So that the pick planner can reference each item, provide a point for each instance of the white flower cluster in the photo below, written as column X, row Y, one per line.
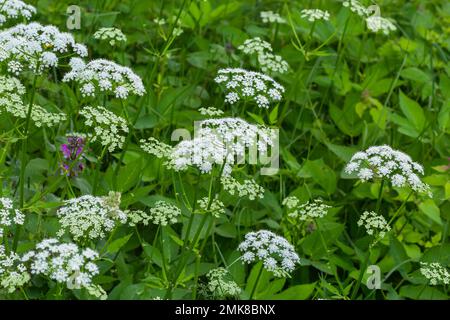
column 106, row 76
column 211, row 111
column 315, row 14
column 89, row 217
column 374, row 224
column 219, row 287
column 216, row 207
column 9, row 215
column 309, row 210
column 13, row 274
column 11, row 91
column 249, row 85
column 15, row 9
column 63, row 262
column 249, row 188
column 435, row 272
column 155, row 147
column 36, row 46
column 375, row 22
column 386, row 163
column 162, row 213
column 271, row 17
column 276, row 253
column 255, row 46
column 220, row 142
column 108, row 128
column 112, row 34
column 266, row 59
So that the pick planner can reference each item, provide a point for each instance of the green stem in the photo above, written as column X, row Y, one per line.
column 380, row 196
column 361, row 274
column 24, row 156
column 256, row 282
column 97, row 171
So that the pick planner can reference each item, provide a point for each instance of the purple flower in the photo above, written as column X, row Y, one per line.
column 72, row 151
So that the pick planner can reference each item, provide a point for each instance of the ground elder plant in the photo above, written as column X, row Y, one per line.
column 224, row 150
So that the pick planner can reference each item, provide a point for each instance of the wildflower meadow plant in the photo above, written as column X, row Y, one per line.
column 234, row 150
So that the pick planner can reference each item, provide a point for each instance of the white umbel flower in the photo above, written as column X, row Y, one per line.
column 215, row 206
column 356, row 7
column 11, row 92
column 64, row 263
column 162, row 213
column 307, row 211
column 276, row 253
column 271, row 17
column 248, row 188
column 13, row 274
column 109, row 129
column 255, row 46
column 9, row 216
column 435, row 272
column 89, row 217
column 15, row 9
column 219, row 286
column 155, row 147
column 219, row 142
column 315, row 14
column 36, row 47
column 374, row 224
column 112, row 35
column 241, row 84
column 104, row 76
column 376, row 24
column 211, row 112
column 383, row 162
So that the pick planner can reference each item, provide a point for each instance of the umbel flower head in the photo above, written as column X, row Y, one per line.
column 315, row 14
column 374, row 224
column 8, row 215
column 271, row 17
column 210, row 111
column 113, row 35
column 306, row 211
column 247, row 189
column 219, row 142
column 375, row 24
column 88, row 217
column 383, row 162
column 435, row 272
column 268, row 61
column 36, row 47
column 13, row 273
column 276, row 253
column 356, row 7
column 64, row 263
column 220, row 285
column 214, row 206
column 104, row 76
column 15, row 9
column 162, row 213
column 11, row 92
column 109, row 129
column 249, row 86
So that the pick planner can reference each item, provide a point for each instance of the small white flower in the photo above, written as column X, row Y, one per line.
column 249, row 188
column 108, row 128
column 435, row 272
column 89, row 217
column 243, row 79
column 279, row 258
column 315, row 14
column 309, row 210
column 218, row 286
column 271, row 17
column 113, row 35
column 15, row 9
column 375, row 24
column 374, row 224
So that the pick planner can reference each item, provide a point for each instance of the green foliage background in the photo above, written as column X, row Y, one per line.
column 347, row 89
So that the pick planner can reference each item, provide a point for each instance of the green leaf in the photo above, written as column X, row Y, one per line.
column 431, row 210
column 115, row 246
column 413, row 112
column 298, row 292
